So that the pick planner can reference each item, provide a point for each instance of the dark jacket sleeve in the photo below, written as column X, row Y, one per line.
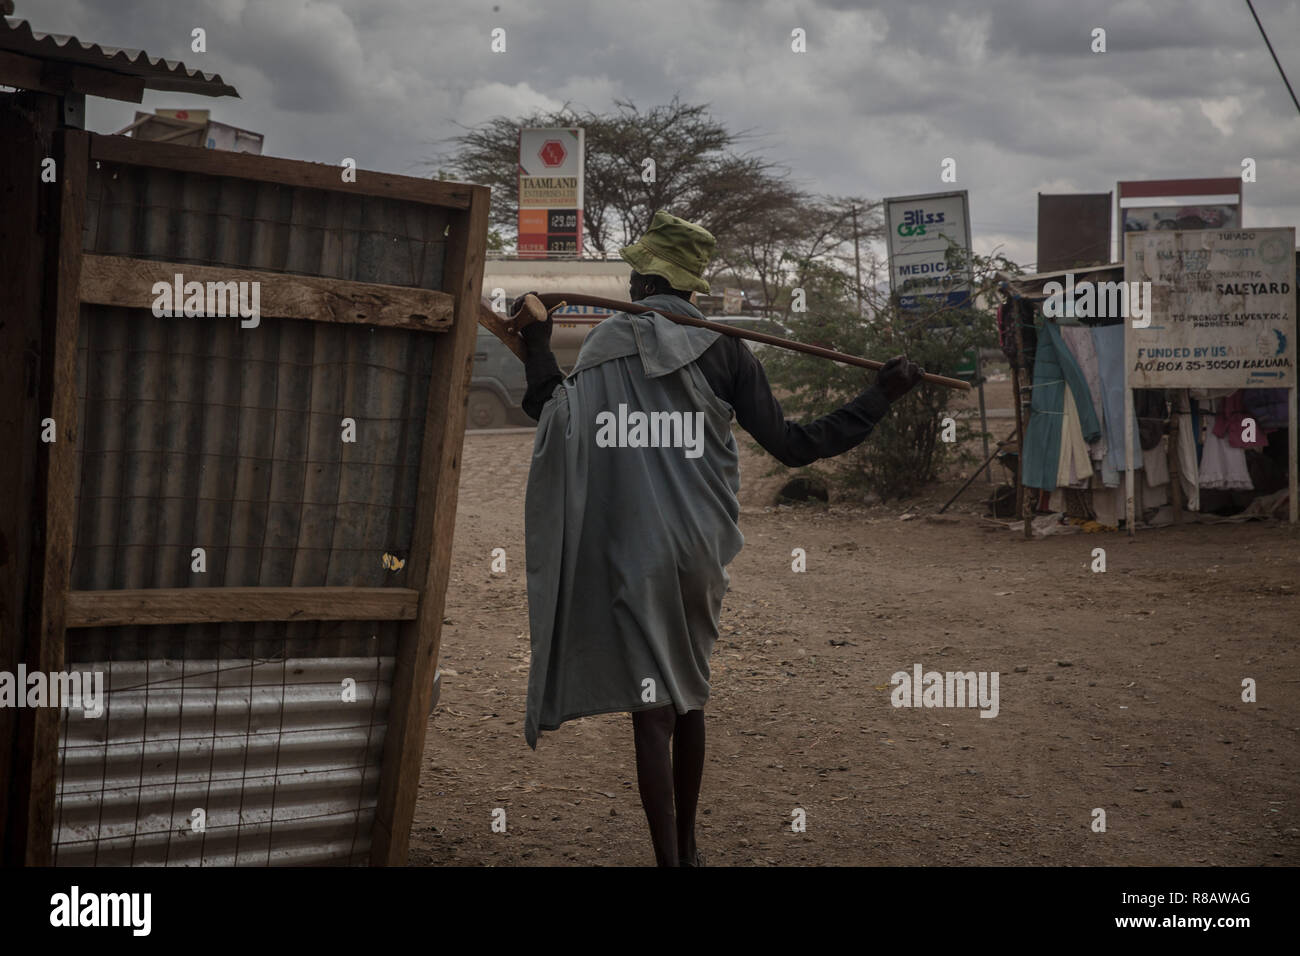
column 542, row 373
column 737, row 377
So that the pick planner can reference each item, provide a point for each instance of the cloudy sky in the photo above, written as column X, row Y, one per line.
column 1010, row 89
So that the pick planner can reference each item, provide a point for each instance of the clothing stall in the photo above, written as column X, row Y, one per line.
column 1192, row 450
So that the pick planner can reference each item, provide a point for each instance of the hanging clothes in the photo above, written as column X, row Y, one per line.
column 1155, row 462
column 1020, row 311
column 1054, row 366
column 1103, row 506
column 1074, row 468
column 1149, row 407
column 1110, row 506
column 1223, row 466
column 1268, row 406
column 1188, row 469
column 1078, row 339
column 1155, row 496
column 1109, row 343
column 1231, row 423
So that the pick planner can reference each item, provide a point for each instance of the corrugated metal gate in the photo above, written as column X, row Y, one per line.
column 267, row 669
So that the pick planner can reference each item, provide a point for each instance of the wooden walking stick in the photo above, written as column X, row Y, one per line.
column 501, row 329
column 535, row 308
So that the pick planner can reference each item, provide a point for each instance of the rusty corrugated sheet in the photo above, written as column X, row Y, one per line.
column 16, row 36
column 284, row 770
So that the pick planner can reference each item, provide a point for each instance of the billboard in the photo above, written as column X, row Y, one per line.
column 1168, row 204
column 550, row 192
column 1222, row 309
column 918, row 233
column 1073, row 230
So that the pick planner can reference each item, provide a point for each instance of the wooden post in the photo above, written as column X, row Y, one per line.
column 1020, row 432
column 435, row 520
column 1130, row 501
column 27, row 122
column 36, row 757
column 1022, row 422
column 1294, row 510
column 1175, row 482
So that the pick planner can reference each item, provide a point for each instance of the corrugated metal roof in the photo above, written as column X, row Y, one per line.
column 1031, row 286
column 158, row 74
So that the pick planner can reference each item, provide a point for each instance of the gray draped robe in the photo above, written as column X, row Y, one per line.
column 627, row 547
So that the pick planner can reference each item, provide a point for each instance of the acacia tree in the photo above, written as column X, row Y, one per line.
column 698, row 170
column 904, row 452
column 782, row 248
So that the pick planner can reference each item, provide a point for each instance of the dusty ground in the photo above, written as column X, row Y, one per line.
column 1119, row 690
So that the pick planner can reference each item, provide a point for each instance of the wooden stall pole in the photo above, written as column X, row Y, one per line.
column 1022, row 422
column 1175, row 482
column 435, row 520
column 36, row 756
column 1130, row 501
column 1020, row 432
column 1291, row 444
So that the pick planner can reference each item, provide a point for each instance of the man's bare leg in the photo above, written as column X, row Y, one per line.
column 688, row 772
column 651, row 730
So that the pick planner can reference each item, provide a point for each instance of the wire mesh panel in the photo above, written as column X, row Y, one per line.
column 223, row 760
column 199, row 434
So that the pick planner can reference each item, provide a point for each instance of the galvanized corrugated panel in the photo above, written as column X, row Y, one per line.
column 285, row 770
column 158, row 74
column 199, row 433
column 217, row 220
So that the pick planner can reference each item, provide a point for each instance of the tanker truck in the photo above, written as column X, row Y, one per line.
column 498, row 385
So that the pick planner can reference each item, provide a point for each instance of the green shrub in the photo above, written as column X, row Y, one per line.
column 905, row 451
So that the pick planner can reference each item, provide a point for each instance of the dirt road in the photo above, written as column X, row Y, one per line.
column 1119, row 690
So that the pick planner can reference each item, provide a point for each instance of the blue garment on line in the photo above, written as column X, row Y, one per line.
column 1054, row 366
column 1109, row 343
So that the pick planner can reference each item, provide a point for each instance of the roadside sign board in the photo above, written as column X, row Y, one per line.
column 550, row 192
column 919, row 231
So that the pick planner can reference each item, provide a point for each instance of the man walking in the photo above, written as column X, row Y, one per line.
column 631, row 515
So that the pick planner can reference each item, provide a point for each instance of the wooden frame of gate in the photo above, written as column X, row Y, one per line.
column 73, row 278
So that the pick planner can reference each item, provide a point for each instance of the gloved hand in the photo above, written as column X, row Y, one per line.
column 536, row 335
column 898, row 377
column 517, row 303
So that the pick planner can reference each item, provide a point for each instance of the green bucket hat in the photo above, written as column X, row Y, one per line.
column 675, row 249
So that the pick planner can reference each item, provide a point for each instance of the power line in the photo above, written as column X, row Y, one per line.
column 1275, row 59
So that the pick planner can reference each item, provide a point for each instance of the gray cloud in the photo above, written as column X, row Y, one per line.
column 886, row 91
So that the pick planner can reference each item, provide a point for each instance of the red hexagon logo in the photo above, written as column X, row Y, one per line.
column 552, row 153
